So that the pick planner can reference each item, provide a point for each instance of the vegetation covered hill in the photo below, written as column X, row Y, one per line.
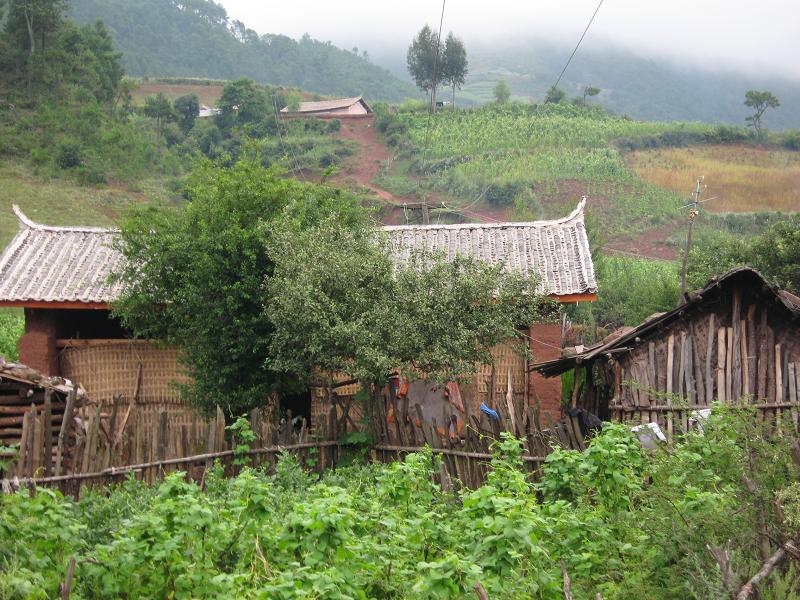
column 196, row 38
column 644, row 88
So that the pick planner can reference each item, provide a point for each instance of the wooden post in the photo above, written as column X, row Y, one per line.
column 48, row 433
column 745, row 362
column 735, row 347
column 763, row 359
column 721, row 388
column 670, row 362
column 729, row 364
column 91, row 439
column 778, row 374
column 219, row 435
column 22, row 458
column 709, row 352
column 66, row 422
column 37, row 440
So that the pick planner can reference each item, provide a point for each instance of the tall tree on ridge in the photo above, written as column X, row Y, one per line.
column 424, row 59
column 589, row 91
column 455, row 63
column 759, row 102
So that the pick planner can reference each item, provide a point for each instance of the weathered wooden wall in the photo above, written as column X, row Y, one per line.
column 730, row 351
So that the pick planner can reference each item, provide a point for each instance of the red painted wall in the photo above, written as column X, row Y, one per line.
column 545, row 345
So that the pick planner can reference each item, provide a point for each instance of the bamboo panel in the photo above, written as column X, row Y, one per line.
column 114, row 368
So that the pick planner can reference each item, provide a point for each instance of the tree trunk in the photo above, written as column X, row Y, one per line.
column 27, row 12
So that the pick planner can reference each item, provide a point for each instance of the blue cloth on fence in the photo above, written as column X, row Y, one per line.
column 492, row 413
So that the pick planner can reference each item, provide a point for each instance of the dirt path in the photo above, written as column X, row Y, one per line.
column 371, row 156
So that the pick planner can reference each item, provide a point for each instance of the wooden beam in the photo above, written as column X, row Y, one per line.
column 80, row 343
column 572, row 298
column 71, row 305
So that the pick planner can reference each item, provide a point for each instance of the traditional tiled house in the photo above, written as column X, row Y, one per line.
column 60, row 276
column 331, row 109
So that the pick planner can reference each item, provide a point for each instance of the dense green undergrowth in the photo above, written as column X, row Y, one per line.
column 626, row 522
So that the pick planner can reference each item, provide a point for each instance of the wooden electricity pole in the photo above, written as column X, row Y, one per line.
column 694, row 210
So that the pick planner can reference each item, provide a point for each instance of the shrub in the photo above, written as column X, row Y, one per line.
column 90, row 175
column 69, row 155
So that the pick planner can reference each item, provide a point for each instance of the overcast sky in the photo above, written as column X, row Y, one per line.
column 754, row 35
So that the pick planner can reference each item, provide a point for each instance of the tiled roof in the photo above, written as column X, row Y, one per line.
column 58, row 264
column 73, row 264
column 326, row 105
column 555, row 252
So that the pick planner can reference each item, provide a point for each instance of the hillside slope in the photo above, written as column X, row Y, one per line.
column 196, row 38
column 652, row 89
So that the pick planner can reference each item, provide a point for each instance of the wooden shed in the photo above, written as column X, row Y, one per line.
column 738, row 338
column 331, row 109
column 32, row 410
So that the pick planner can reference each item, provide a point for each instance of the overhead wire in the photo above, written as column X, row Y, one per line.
column 558, row 80
column 583, row 35
column 284, row 147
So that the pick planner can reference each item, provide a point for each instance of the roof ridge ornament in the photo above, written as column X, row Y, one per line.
column 26, row 223
column 576, row 214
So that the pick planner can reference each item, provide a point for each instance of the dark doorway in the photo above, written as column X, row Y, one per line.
column 298, row 404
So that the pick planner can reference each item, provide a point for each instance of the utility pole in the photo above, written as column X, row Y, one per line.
column 693, row 212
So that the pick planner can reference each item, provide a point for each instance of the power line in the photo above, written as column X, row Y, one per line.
column 290, row 155
column 596, row 10
column 433, row 105
column 569, row 60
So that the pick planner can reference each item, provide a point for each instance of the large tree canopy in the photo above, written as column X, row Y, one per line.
column 336, row 302
column 195, row 277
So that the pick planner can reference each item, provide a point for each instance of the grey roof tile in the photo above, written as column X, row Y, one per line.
column 73, row 264
column 555, row 252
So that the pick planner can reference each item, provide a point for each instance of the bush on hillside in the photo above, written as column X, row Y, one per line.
column 69, row 155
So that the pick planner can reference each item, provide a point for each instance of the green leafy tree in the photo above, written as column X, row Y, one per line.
column 195, row 277
column 187, row 107
column 555, row 95
column 336, row 302
column 30, row 26
column 589, row 91
column 425, row 61
column 775, row 253
column 455, row 65
column 502, row 93
column 759, row 102
column 159, row 109
column 242, row 102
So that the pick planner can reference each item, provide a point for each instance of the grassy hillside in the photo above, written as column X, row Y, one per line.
column 56, row 201
column 526, row 162
column 207, row 91
column 197, row 39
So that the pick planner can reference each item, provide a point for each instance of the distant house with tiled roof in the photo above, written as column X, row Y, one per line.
column 331, row 109
column 60, row 276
